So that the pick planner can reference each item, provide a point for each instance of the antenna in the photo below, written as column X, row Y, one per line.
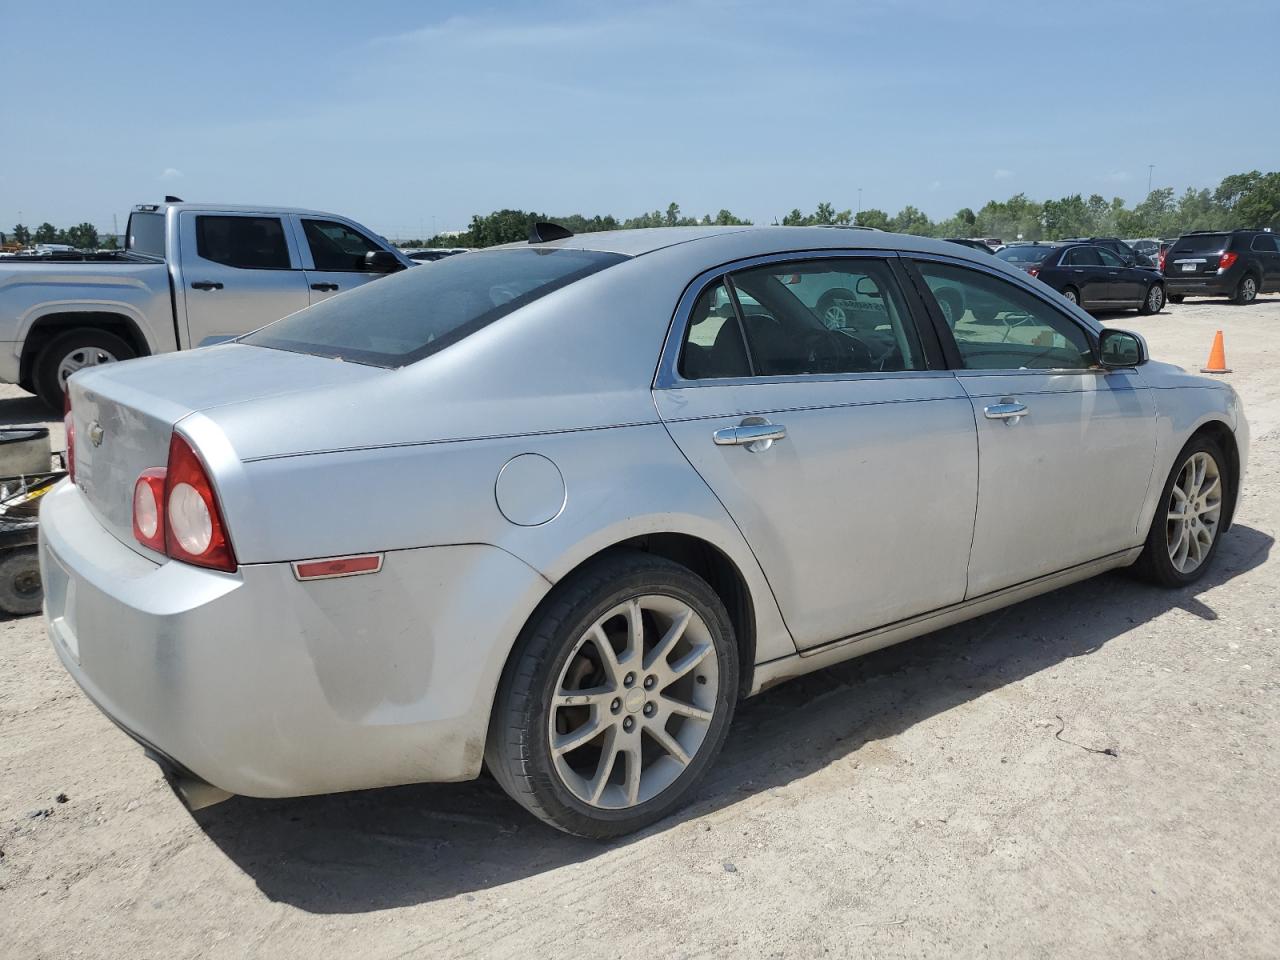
column 543, row 232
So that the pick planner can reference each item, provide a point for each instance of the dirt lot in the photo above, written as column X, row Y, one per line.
column 922, row 801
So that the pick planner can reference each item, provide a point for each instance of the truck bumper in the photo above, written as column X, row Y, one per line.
column 261, row 685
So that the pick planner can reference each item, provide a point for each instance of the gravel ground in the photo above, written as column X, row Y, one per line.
column 950, row 796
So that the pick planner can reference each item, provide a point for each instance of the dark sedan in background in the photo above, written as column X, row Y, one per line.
column 1091, row 275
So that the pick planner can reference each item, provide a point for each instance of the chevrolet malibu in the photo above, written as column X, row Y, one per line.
column 553, row 509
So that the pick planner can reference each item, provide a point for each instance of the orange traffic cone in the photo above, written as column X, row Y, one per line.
column 1217, row 357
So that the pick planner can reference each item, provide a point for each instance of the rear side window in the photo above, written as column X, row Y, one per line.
column 1084, row 257
column 402, row 318
column 1023, row 254
column 250, row 243
column 713, row 346
column 145, row 234
column 1202, row 243
column 1264, row 243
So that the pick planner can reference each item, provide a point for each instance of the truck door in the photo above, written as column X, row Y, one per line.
column 239, row 272
column 333, row 256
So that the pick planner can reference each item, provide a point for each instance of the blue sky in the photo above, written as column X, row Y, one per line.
column 405, row 115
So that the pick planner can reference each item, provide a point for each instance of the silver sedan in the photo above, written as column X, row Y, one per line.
column 553, row 509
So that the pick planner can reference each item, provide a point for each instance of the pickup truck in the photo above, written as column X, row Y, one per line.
column 190, row 274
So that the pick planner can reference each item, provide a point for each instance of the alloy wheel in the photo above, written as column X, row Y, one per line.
column 80, row 358
column 1248, row 289
column 834, row 317
column 634, row 702
column 1071, row 296
column 1194, row 512
column 1155, row 299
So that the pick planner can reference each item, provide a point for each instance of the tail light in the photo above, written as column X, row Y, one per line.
column 1034, row 271
column 1163, row 254
column 70, row 428
column 176, row 512
column 1227, row 260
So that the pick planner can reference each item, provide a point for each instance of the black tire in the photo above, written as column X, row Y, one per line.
column 518, row 751
column 21, row 592
column 48, row 384
column 1246, row 291
column 1154, row 564
column 1147, row 307
column 1175, row 297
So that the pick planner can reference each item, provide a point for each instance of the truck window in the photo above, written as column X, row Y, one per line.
column 145, row 234
column 251, row 243
column 335, row 246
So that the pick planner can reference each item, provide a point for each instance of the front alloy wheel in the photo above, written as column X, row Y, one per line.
column 617, row 697
column 1193, row 513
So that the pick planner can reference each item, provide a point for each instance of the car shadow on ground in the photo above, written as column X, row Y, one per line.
column 24, row 411
column 377, row 849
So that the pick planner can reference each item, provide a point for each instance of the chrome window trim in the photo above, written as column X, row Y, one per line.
column 668, row 374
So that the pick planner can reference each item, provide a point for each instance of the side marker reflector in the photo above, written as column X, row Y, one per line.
column 330, row 567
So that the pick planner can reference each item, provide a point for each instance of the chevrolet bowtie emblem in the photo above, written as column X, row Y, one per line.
column 96, row 433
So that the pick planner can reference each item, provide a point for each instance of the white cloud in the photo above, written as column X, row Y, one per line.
column 1002, row 174
column 171, row 173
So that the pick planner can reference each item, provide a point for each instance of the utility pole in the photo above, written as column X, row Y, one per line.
column 1150, row 169
column 859, row 200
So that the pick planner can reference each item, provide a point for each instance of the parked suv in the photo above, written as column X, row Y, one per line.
column 1239, row 264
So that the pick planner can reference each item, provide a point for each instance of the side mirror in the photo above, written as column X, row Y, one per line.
column 382, row 261
column 1120, row 349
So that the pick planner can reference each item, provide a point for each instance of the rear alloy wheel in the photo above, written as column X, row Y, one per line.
column 1154, row 302
column 1184, row 533
column 73, row 351
column 1071, row 295
column 618, row 697
column 1247, row 291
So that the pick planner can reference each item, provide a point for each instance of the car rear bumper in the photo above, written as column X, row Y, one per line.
column 1210, row 285
column 264, row 686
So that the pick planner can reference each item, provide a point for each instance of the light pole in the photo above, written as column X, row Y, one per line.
column 859, row 200
column 1150, row 169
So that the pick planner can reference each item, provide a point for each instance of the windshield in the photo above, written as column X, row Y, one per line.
column 398, row 320
column 145, row 234
column 1023, row 254
column 1202, row 243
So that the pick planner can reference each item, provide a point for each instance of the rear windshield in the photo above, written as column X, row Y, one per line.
column 1023, row 254
column 146, row 234
column 1202, row 243
column 397, row 320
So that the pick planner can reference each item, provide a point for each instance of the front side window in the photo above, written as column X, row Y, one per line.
column 998, row 326
column 250, row 243
column 335, row 246
column 407, row 316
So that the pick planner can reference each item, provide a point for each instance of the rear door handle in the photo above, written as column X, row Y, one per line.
column 206, row 285
column 754, row 433
column 1007, row 409
column 324, row 286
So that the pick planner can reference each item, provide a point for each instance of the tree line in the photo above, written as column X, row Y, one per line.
column 1241, row 200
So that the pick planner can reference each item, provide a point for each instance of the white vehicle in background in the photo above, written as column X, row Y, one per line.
column 190, row 274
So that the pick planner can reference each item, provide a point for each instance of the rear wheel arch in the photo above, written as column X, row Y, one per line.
column 52, row 325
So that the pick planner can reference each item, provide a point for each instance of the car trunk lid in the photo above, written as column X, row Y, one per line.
column 125, row 414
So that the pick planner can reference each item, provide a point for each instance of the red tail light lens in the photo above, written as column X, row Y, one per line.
column 148, row 509
column 1227, row 260
column 70, row 429
column 1034, row 271
column 1163, row 254
column 192, row 521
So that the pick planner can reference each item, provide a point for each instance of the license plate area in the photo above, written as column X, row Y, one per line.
column 60, row 604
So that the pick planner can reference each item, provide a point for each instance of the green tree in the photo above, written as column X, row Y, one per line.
column 1250, row 199
column 21, row 234
column 871, row 217
column 912, row 220
column 45, row 233
column 83, row 236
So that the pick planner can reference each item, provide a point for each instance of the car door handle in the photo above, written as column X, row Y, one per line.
column 324, row 286
column 1007, row 410
column 753, row 433
column 206, row 285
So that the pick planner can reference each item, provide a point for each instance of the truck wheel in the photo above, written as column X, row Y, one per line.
column 72, row 351
column 21, row 592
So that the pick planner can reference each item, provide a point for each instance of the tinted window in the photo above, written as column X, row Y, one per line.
column 713, row 344
column 1264, row 243
column 1109, row 259
column 998, row 326
column 335, row 246
column 253, row 243
column 410, row 315
column 145, row 234
column 1202, row 243
column 1024, row 254
column 829, row 316
column 1085, row 257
